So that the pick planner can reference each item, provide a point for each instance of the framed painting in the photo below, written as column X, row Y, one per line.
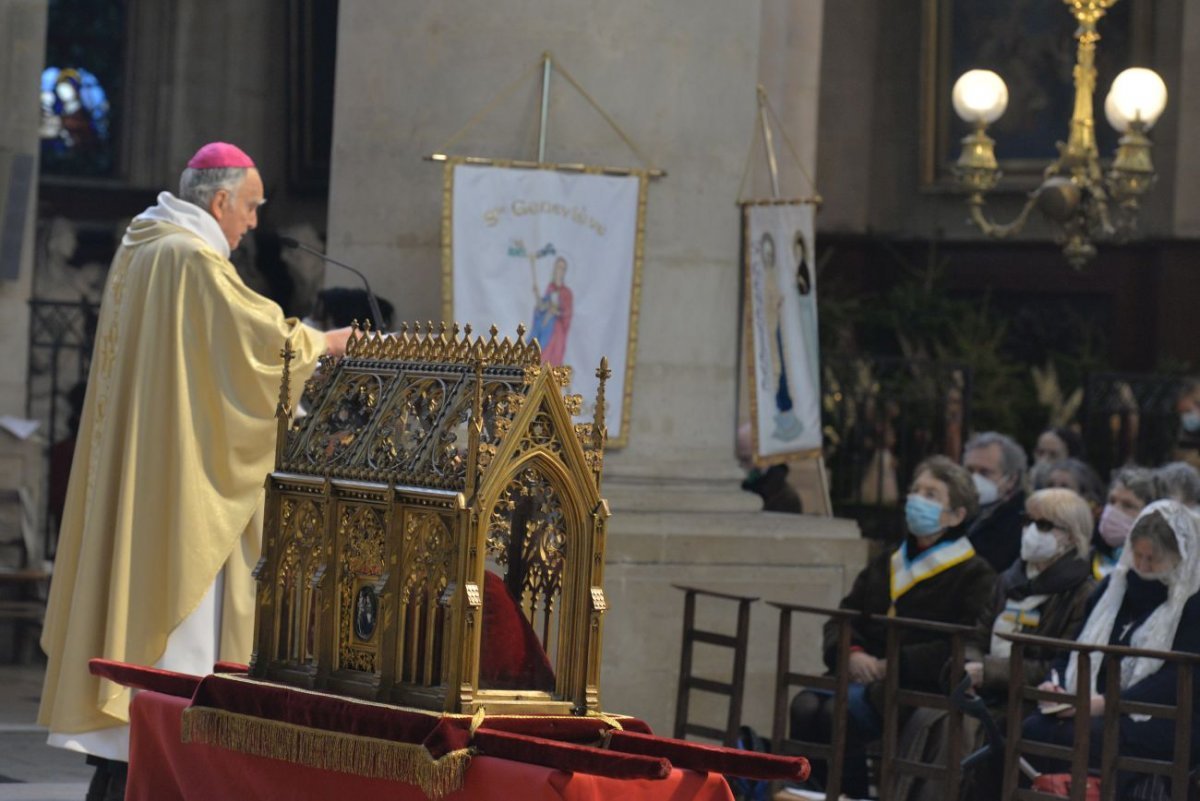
column 1031, row 45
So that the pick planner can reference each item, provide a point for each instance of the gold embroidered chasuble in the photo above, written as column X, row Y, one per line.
column 176, row 438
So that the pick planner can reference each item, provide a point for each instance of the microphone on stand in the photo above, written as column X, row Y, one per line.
column 289, row 242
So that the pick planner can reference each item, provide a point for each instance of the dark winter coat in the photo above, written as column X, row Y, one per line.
column 961, row 595
column 1069, row 584
column 996, row 533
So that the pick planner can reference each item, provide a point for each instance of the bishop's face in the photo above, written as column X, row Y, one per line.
column 237, row 212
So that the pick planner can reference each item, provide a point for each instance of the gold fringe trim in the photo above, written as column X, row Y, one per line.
column 348, row 753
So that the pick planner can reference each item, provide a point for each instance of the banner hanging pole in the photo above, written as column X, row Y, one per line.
column 768, row 141
column 547, row 66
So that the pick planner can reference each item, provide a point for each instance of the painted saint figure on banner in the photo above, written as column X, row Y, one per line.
column 552, row 313
column 787, row 425
column 808, row 307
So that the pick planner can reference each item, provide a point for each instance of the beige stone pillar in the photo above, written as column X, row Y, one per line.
column 679, row 77
column 22, row 57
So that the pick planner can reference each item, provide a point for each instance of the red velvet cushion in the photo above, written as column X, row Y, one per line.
column 167, row 682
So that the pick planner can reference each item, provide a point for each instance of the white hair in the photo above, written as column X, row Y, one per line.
column 201, row 186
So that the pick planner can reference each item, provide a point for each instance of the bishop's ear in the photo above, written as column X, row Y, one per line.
column 219, row 204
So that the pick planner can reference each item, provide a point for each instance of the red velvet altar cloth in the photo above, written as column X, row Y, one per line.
column 162, row 768
column 430, row 749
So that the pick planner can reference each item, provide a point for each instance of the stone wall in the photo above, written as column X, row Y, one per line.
column 22, row 34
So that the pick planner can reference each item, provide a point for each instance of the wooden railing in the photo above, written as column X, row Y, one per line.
column 1176, row 769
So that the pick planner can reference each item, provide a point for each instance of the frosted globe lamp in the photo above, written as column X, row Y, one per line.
column 980, row 97
column 1137, row 94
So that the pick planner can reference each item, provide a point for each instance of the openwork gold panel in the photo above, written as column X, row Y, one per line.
column 341, row 421
column 301, row 524
column 361, row 542
column 527, row 534
column 429, row 563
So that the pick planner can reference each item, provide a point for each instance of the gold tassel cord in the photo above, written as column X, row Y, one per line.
column 325, row 750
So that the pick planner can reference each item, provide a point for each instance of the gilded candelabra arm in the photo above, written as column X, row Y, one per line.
column 1102, row 214
column 1000, row 230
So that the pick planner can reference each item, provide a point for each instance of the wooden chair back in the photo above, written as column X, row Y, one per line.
column 734, row 689
column 896, row 698
column 786, row 680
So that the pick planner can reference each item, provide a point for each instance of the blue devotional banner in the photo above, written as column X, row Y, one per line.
column 783, row 362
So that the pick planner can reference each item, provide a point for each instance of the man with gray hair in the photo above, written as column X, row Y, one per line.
column 1179, row 481
column 163, row 517
column 997, row 466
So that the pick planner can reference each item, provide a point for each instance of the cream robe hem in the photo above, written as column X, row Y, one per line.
column 191, row 648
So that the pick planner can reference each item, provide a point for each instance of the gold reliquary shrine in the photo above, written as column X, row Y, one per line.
column 434, row 531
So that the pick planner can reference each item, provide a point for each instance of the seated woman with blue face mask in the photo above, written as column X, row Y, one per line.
column 1148, row 601
column 931, row 574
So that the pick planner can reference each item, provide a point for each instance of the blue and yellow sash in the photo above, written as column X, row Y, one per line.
column 1103, row 565
column 907, row 573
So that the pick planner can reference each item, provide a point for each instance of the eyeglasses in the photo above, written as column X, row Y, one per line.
column 1045, row 526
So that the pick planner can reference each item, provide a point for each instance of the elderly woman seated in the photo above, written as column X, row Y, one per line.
column 933, row 574
column 1148, row 601
column 1045, row 592
column 1132, row 488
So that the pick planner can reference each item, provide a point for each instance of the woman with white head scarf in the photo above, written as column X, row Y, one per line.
column 1148, row 601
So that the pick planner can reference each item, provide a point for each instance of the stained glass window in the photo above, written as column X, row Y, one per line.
column 81, row 86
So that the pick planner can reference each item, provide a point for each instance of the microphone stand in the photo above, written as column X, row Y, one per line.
column 289, row 242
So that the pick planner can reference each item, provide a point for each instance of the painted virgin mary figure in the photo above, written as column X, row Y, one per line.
column 552, row 314
column 787, row 425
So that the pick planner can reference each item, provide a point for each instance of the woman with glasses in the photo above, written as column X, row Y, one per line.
column 1044, row 592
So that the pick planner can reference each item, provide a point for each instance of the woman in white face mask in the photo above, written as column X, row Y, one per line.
column 1148, row 601
column 1131, row 489
column 1045, row 591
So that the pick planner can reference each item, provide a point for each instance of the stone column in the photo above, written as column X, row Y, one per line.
column 22, row 57
column 679, row 77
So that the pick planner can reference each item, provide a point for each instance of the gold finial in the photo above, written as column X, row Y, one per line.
column 599, row 430
column 475, row 429
column 493, row 331
column 467, row 330
column 521, row 329
column 285, row 385
column 404, row 327
column 283, row 411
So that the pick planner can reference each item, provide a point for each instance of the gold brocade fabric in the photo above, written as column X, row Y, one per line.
column 176, row 438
